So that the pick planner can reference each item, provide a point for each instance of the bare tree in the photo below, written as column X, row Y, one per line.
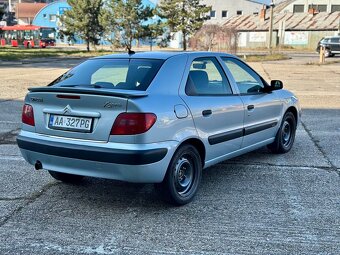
column 206, row 37
column 215, row 37
column 228, row 39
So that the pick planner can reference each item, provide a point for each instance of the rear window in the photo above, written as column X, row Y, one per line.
column 126, row 74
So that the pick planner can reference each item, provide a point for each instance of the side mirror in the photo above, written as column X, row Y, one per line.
column 276, row 85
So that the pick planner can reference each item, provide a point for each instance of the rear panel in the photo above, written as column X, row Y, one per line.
column 99, row 111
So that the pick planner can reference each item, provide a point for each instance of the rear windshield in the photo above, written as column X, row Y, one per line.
column 127, row 74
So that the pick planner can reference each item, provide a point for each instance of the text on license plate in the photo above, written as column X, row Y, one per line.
column 70, row 123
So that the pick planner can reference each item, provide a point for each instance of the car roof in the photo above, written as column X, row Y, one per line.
column 334, row 36
column 161, row 54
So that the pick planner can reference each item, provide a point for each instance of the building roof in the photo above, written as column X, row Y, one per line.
column 280, row 6
column 293, row 22
column 28, row 10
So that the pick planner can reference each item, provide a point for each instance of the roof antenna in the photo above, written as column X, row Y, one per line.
column 131, row 52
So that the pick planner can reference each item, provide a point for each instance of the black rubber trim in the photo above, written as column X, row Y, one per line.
column 259, row 127
column 117, row 156
column 227, row 136
column 224, row 137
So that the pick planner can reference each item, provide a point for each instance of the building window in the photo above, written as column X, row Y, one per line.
column 298, row 8
column 53, row 17
column 224, row 14
column 212, row 14
column 335, row 8
column 239, row 12
column 318, row 7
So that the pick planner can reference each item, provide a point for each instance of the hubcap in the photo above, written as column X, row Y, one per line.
column 184, row 175
column 286, row 133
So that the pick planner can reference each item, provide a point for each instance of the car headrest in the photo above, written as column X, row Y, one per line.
column 200, row 81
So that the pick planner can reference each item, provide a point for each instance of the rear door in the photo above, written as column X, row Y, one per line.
column 217, row 112
column 262, row 111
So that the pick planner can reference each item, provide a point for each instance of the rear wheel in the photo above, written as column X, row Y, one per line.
column 68, row 178
column 285, row 137
column 183, row 176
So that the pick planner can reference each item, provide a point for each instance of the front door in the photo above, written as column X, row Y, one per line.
column 262, row 111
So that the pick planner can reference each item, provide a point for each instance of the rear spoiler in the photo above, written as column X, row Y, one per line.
column 92, row 91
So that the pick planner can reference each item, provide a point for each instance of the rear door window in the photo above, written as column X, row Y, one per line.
column 127, row 74
column 206, row 78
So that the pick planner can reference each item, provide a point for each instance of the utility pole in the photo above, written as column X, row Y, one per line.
column 271, row 26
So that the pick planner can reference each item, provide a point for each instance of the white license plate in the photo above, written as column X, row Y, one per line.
column 79, row 124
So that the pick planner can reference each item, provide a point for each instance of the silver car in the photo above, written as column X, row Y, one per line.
column 158, row 117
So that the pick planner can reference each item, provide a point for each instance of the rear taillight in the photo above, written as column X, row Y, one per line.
column 28, row 115
column 133, row 123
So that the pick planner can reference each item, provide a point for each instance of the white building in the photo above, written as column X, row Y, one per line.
column 223, row 9
column 303, row 6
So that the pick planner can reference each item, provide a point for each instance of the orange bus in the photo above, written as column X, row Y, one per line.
column 29, row 36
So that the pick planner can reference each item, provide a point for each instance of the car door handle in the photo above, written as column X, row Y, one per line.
column 250, row 107
column 207, row 113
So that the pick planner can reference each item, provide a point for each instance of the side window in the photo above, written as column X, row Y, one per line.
column 206, row 78
column 247, row 80
column 335, row 40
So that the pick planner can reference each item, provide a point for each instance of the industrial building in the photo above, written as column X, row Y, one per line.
column 221, row 10
column 300, row 30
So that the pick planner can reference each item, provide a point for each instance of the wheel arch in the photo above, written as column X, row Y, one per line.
column 293, row 110
column 199, row 145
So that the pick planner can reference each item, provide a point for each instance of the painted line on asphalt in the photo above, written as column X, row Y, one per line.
column 9, row 122
column 11, row 157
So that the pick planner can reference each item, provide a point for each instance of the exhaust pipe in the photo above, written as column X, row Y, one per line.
column 38, row 165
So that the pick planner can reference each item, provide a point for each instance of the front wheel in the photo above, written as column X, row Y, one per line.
column 285, row 137
column 183, row 176
column 328, row 53
column 68, row 178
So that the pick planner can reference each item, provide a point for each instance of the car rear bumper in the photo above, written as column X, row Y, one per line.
column 144, row 163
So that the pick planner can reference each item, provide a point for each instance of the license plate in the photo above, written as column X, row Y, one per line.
column 77, row 124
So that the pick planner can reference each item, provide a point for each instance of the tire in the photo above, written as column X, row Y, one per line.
column 68, row 178
column 183, row 176
column 285, row 137
column 328, row 53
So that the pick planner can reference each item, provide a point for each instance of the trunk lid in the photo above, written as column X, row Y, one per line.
column 91, row 112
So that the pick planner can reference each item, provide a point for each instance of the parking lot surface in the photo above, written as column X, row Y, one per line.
column 258, row 203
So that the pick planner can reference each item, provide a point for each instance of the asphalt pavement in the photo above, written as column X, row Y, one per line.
column 259, row 203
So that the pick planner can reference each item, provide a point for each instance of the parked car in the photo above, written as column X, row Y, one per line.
column 331, row 44
column 158, row 117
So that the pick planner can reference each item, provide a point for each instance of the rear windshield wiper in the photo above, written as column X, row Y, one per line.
column 82, row 85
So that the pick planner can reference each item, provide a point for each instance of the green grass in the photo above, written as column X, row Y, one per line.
column 13, row 54
column 261, row 58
